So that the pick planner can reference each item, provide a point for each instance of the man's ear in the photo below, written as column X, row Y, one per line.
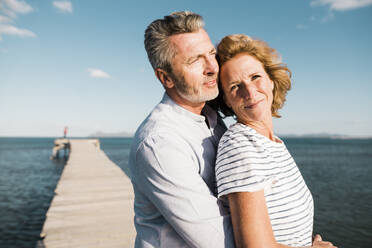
column 164, row 78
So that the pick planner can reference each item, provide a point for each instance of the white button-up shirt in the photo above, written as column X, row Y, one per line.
column 172, row 163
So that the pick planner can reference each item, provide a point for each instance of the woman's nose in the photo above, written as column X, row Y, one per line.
column 248, row 91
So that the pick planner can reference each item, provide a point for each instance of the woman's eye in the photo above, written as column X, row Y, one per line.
column 235, row 86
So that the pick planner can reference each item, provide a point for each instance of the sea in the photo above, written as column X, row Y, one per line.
column 337, row 171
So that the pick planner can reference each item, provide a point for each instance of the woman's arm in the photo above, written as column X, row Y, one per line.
column 251, row 222
column 250, row 219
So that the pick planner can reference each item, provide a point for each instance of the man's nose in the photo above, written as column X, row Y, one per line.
column 211, row 66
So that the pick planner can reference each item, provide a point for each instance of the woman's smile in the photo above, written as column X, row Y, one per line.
column 253, row 105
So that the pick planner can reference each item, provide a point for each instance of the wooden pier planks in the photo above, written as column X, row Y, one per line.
column 93, row 205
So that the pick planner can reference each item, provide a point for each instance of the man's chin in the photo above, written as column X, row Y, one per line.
column 199, row 99
column 208, row 96
column 205, row 95
column 211, row 95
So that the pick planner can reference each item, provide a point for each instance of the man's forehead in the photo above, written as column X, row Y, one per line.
column 191, row 44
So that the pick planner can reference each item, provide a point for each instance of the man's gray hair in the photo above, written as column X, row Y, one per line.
column 158, row 47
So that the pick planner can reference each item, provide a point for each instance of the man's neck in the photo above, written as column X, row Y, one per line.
column 195, row 108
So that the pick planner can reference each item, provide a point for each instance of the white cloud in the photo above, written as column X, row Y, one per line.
column 97, row 73
column 9, row 9
column 13, row 30
column 64, row 6
column 12, row 7
column 328, row 17
column 18, row 6
column 342, row 5
column 301, row 26
column 5, row 19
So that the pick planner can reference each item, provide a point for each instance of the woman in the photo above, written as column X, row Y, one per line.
column 269, row 201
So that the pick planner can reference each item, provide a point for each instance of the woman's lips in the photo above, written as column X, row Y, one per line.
column 254, row 104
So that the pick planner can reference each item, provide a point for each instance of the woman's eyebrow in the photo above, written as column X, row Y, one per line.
column 236, row 81
column 250, row 74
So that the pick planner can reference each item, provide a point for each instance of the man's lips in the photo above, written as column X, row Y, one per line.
column 210, row 83
column 254, row 104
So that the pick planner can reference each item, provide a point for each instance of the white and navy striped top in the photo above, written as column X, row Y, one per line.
column 247, row 162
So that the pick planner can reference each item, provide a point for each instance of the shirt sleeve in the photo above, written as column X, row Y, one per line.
column 241, row 165
column 169, row 176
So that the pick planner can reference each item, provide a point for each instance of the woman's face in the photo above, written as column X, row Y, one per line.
column 247, row 88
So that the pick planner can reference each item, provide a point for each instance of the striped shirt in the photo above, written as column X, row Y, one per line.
column 247, row 162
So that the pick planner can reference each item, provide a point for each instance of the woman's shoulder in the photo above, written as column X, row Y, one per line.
column 238, row 130
column 238, row 133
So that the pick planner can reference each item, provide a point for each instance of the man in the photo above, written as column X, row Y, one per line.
column 173, row 152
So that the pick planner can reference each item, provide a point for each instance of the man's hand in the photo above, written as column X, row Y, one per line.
column 319, row 243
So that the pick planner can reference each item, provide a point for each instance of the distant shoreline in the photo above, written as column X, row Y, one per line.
column 110, row 135
column 323, row 136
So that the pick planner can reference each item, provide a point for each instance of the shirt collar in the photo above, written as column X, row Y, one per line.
column 207, row 111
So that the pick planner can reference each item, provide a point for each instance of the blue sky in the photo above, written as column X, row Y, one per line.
column 83, row 64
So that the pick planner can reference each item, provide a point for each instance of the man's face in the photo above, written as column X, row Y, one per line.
column 195, row 67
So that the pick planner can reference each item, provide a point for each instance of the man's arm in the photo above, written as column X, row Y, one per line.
column 168, row 175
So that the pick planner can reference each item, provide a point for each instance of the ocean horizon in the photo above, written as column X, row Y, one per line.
column 131, row 135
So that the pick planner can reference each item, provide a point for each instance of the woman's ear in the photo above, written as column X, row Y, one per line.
column 272, row 84
column 164, row 78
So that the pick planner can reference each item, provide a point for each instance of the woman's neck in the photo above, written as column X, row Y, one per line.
column 264, row 128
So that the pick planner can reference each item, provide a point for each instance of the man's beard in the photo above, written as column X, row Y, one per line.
column 191, row 94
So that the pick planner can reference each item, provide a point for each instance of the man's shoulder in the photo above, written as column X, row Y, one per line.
column 161, row 121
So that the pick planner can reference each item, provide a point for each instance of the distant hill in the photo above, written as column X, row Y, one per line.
column 100, row 134
column 319, row 135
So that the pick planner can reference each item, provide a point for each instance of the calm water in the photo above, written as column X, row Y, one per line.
column 338, row 172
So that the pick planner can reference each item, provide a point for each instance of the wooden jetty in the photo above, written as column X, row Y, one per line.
column 93, row 203
column 60, row 144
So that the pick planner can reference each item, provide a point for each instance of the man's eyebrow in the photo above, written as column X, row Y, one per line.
column 189, row 60
column 213, row 50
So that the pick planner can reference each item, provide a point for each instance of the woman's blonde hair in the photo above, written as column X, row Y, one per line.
column 278, row 72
